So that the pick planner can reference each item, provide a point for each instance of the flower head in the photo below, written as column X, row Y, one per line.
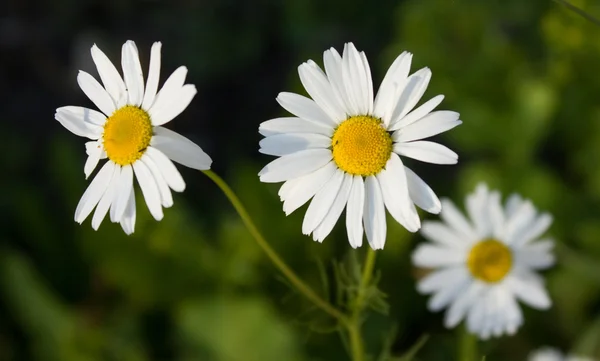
column 128, row 131
column 482, row 265
column 552, row 354
column 342, row 148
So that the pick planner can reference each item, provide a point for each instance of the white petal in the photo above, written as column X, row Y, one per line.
column 284, row 144
column 94, row 192
column 81, row 121
column 369, row 82
column 316, row 84
column 454, row 288
column 396, row 74
column 374, row 214
column 95, row 153
column 536, row 255
column 514, row 315
column 113, row 83
column 498, row 319
column 410, row 95
column 430, row 125
column 91, row 163
column 149, row 189
column 122, row 194
column 321, row 203
column 476, row 204
column 350, row 80
column 513, row 203
column 519, row 222
column 167, row 169
column 153, row 76
column 476, row 317
column 180, row 149
column 482, row 316
column 166, row 198
column 534, row 230
column 89, row 116
column 107, row 199
column 92, row 147
column 128, row 219
column 440, row 279
column 457, row 221
column 132, row 72
column 496, row 214
column 417, row 114
column 325, row 227
column 394, row 189
column 426, row 151
column 530, row 291
column 96, row 93
column 287, row 189
column 304, row 108
column 295, row 192
column 293, row 125
column 421, row 193
column 173, row 106
column 354, row 212
column 440, row 233
column 463, row 303
column 355, row 76
column 431, row 256
column 170, row 89
column 333, row 67
column 295, row 165
column 548, row 354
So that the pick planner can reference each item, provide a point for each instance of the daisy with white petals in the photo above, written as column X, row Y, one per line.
column 128, row 131
column 484, row 264
column 342, row 148
column 552, row 354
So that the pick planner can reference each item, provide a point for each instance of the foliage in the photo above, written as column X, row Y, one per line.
column 195, row 286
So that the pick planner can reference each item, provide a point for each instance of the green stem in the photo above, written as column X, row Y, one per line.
column 271, row 253
column 468, row 345
column 356, row 342
column 367, row 274
column 578, row 11
column 354, row 327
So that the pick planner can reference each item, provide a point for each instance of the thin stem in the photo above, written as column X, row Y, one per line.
column 356, row 342
column 578, row 11
column 467, row 345
column 354, row 328
column 367, row 274
column 271, row 253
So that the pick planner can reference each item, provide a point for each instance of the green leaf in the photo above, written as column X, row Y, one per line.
column 230, row 328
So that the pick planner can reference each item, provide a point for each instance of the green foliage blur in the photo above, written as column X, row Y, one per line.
column 195, row 286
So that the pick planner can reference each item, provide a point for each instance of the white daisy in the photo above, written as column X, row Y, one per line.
column 129, row 133
column 343, row 148
column 483, row 265
column 552, row 354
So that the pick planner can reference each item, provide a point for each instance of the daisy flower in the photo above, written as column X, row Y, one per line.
column 484, row 264
column 552, row 354
column 128, row 131
column 342, row 148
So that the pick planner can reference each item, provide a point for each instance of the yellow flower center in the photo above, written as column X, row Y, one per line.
column 361, row 145
column 127, row 134
column 489, row 260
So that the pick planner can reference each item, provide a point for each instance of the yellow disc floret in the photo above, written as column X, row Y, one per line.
column 127, row 134
column 489, row 260
column 361, row 145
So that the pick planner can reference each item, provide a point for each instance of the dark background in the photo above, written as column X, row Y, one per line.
column 523, row 74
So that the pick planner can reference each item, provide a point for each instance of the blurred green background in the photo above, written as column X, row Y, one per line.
column 523, row 74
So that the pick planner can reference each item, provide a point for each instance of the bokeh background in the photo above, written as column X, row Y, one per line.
column 523, row 74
